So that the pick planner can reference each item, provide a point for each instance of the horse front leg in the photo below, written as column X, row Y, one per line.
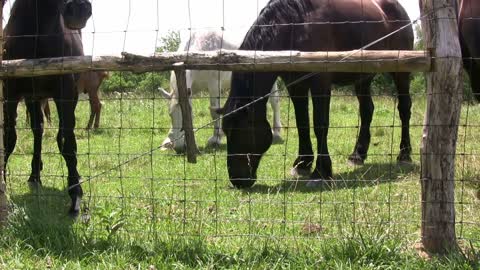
column 303, row 163
column 10, row 135
column 366, row 106
column 277, row 123
column 68, row 148
column 321, row 93
column 215, row 91
column 34, row 107
column 402, row 82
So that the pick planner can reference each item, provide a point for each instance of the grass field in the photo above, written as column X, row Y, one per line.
column 157, row 211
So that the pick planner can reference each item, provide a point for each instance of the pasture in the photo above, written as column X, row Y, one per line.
column 156, row 211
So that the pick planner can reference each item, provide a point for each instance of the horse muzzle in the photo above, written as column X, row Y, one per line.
column 76, row 13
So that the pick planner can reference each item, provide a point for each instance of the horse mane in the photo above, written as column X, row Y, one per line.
column 263, row 31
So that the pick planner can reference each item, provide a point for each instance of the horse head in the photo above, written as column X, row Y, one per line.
column 246, row 127
column 76, row 13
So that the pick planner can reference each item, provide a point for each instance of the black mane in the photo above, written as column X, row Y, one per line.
column 275, row 12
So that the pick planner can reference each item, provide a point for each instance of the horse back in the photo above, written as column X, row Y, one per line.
column 352, row 24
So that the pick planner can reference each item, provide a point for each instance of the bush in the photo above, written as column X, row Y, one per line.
column 146, row 82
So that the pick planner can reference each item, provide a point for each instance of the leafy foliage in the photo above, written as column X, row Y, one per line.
column 150, row 81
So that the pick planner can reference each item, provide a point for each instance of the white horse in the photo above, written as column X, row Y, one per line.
column 214, row 81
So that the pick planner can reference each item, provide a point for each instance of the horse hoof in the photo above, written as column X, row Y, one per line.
column 74, row 211
column 404, row 161
column 213, row 143
column 354, row 160
column 314, row 183
column 299, row 172
column 34, row 183
column 277, row 139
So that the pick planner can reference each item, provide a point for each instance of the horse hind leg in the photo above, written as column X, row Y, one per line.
column 34, row 108
column 402, row 82
column 68, row 148
column 366, row 107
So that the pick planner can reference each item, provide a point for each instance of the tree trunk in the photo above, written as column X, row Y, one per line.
column 440, row 131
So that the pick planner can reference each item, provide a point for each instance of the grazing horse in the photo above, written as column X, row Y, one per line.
column 312, row 25
column 40, row 29
column 214, row 81
column 469, row 32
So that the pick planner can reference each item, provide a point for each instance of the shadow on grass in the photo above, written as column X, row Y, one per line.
column 360, row 176
column 39, row 219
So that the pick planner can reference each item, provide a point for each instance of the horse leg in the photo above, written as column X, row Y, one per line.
column 214, row 91
column 10, row 135
column 362, row 90
column 96, row 124
column 473, row 73
column 95, row 108
column 402, row 82
column 92, row 115
column 68, row 148
column 321, row 93
column 34, row 108
column 303, row 164
column 277, row 124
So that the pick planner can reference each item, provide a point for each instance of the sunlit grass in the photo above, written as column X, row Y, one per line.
column 159, row 210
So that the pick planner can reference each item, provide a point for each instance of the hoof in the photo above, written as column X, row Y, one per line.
column 74, row 211
column 277, row 139
column 355, row 160
column 404, row 160
column 314, row 183
column 213, row 143
column 299, row 172
column 34, row 183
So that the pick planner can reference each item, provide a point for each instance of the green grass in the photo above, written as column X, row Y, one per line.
column 160, row 212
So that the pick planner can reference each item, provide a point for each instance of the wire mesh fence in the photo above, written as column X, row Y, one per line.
column 136, row 189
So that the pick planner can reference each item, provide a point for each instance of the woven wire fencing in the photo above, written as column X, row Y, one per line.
column 136, row 190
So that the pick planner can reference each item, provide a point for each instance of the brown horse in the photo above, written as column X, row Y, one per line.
column 469, row 31
column 42, row 29
column 89, row 83
column 312, row 25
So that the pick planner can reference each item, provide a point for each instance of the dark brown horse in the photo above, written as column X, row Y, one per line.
column 469, row 31
column 40, row 29
column 313, row 25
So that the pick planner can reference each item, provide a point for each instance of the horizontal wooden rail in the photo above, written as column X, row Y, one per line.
column 259, row 61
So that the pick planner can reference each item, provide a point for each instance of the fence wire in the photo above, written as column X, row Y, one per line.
column 137, row 190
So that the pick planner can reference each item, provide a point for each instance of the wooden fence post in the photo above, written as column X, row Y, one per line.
column 3, row 186
column 440, row 130
column 187, row 121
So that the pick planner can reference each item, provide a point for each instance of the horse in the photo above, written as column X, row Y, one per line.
column 214, row 81
column 43, row 29
column 312, row 25
column 89, row 83
column 469, row 35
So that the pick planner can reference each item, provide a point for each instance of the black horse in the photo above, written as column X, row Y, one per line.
column 469, row 31
column 313, row 25
column 40, row 29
